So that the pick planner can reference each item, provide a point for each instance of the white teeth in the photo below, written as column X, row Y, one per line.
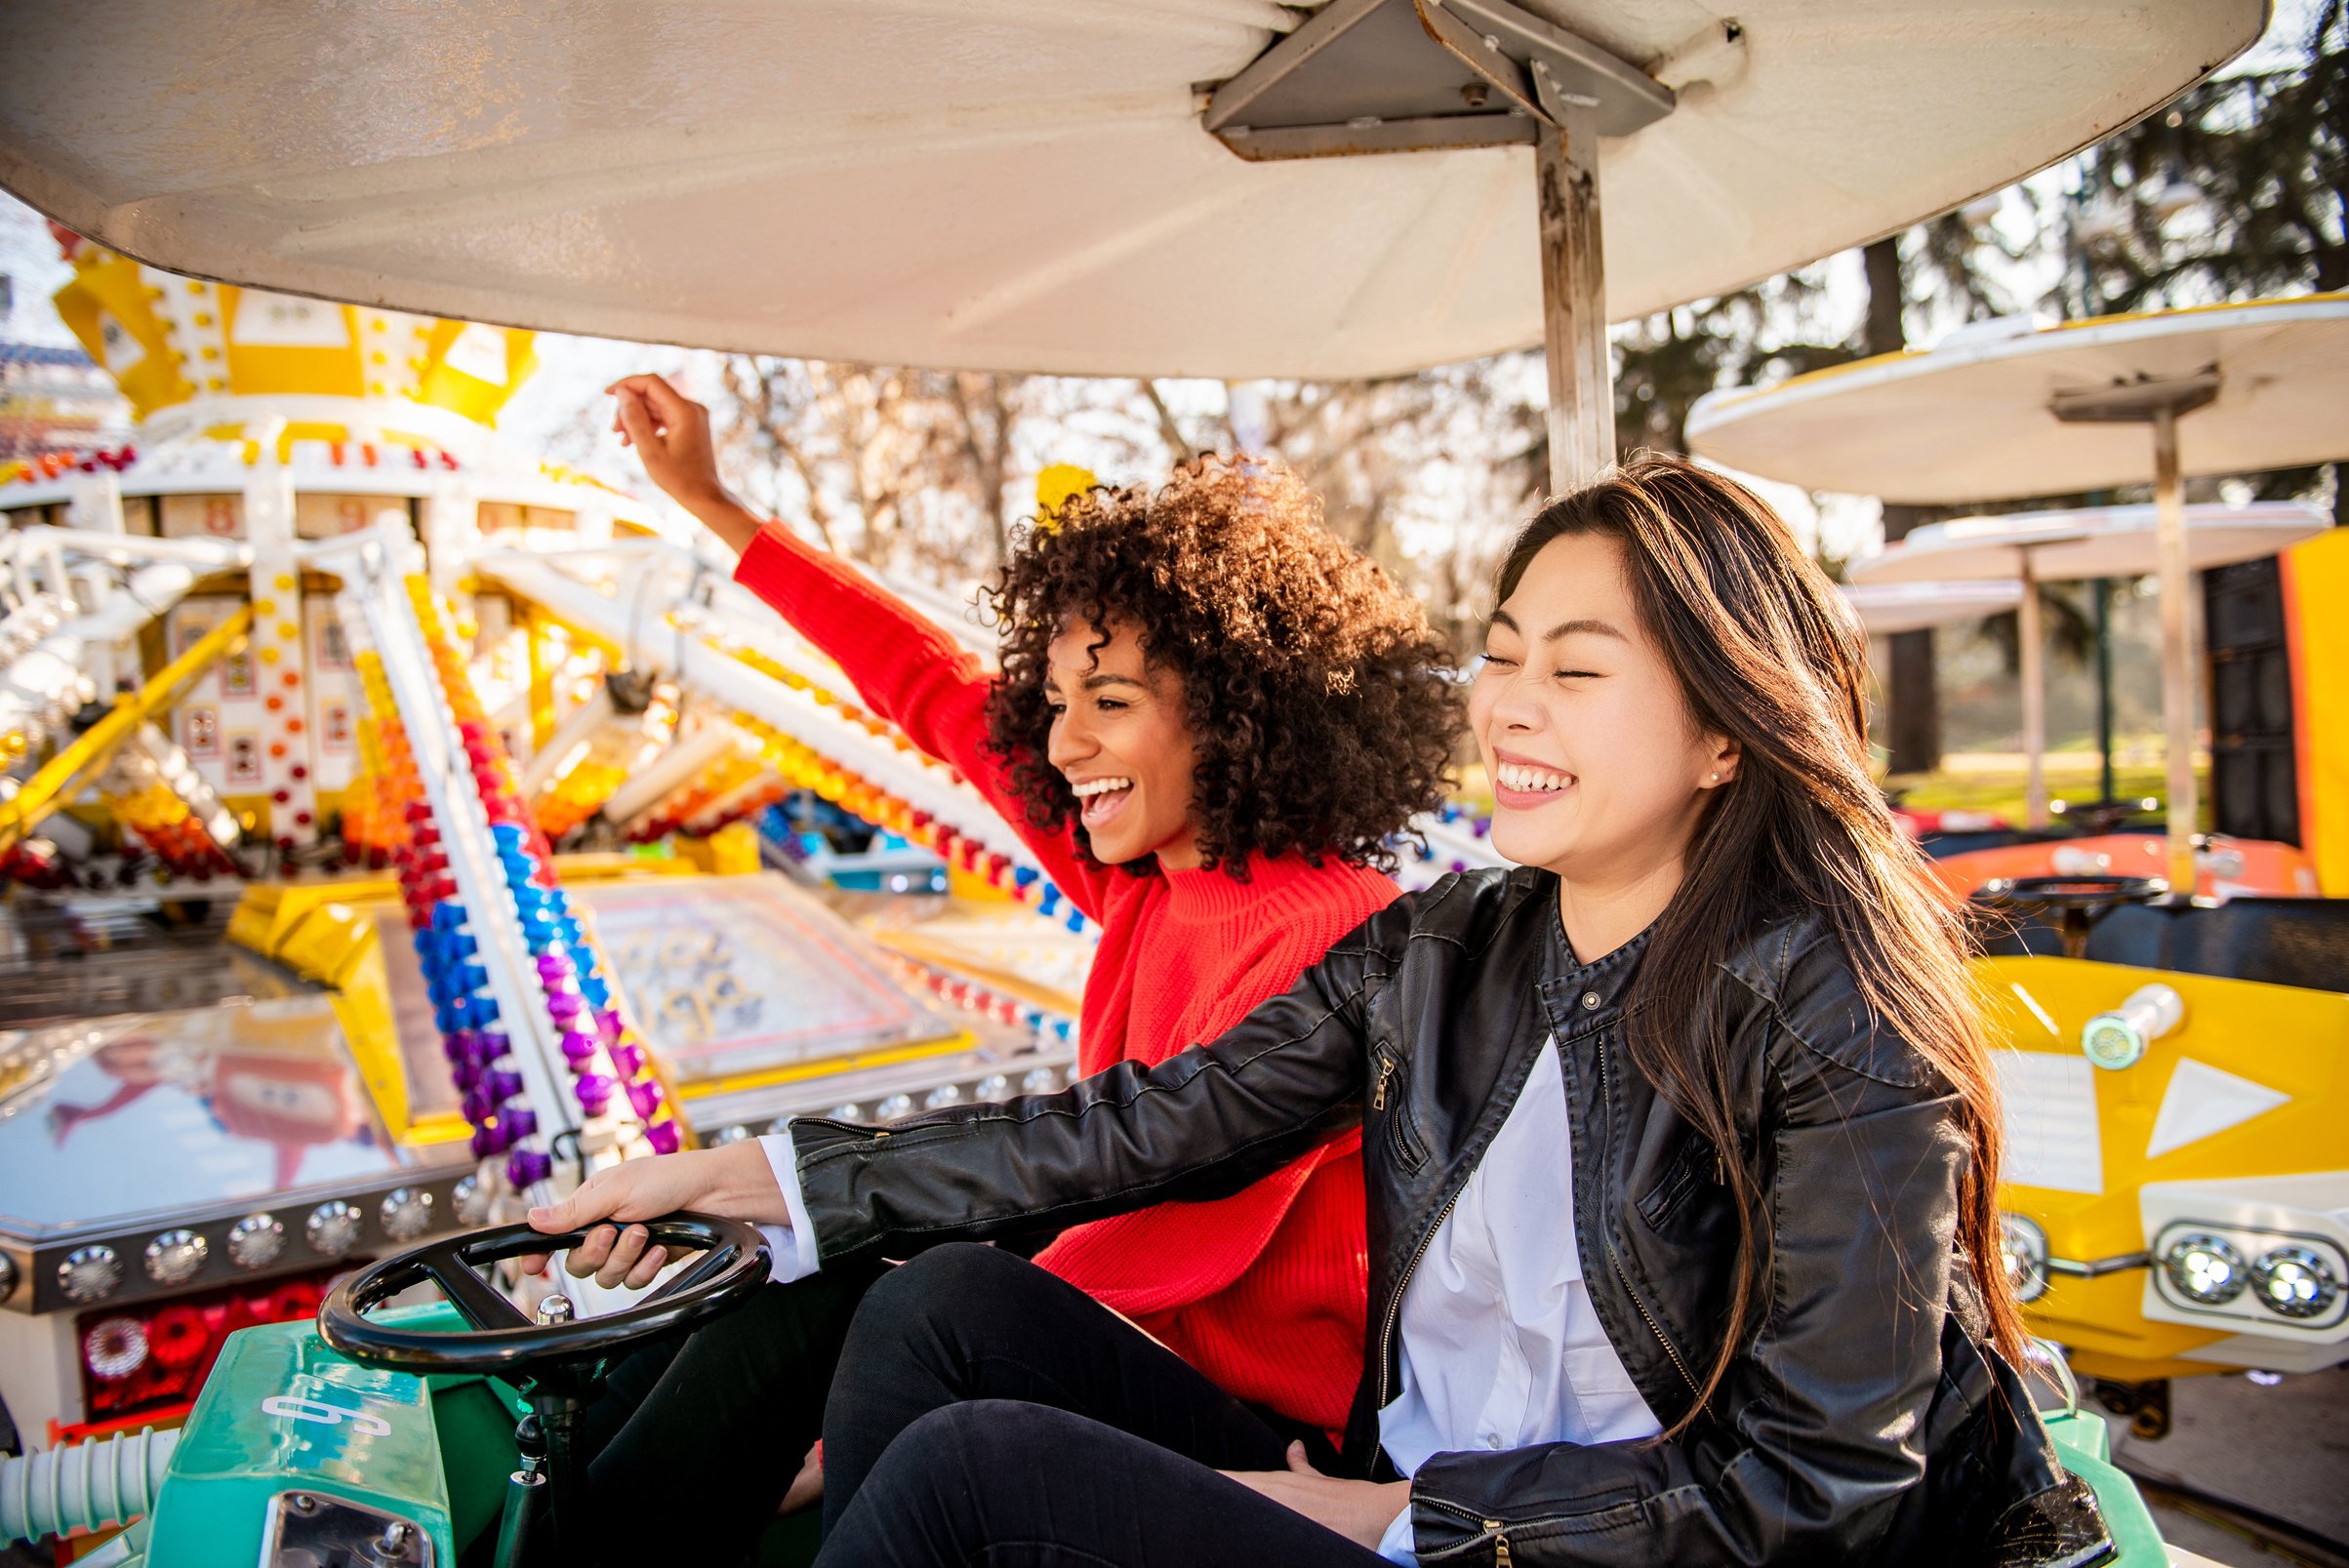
column 1517, row 776
column 1100, row 786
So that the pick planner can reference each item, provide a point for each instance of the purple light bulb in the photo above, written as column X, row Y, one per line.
column 578, row 1049
column 663, row 1135
column 595, row 1093
column 646, row 1097
column 628, row 1059
column 527, row 1167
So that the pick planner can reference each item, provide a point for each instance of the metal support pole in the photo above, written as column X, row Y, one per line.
column 2105, row 790
column 1582, row 390
column 2031, row 645
column 2177, row 581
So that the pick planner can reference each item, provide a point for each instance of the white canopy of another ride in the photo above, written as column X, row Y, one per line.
column 2009, row 551
column 1076, row 186
column 2004, row 410
column 1887, row 609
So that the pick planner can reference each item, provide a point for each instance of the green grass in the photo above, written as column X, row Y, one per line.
column 2070, row 777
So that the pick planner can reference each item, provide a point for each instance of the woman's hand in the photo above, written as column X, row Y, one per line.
column 733, row 1183
column 1358, row 1511
column 671, row 433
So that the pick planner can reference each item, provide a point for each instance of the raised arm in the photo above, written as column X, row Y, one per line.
column 907, row 668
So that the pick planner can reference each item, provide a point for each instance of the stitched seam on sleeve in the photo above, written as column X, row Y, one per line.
column 1231, row 1070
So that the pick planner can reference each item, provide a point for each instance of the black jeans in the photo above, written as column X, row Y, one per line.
column 698, row 1434
column 987, row 1411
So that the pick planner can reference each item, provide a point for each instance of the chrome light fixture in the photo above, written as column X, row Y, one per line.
column 2295, row 1282
column 89, row 1274
column 175, row 1257
column 2205, row 1269
column 406, row 1213
column 256, row 1240
column 2023, row 1247
column 473, row 1201
column 946, row 1094
column 333, row 1228
column 1039, row 1081
column 894, row 1106
column 995, row 1086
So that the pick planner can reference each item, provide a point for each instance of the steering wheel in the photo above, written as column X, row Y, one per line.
column 501, row 1341
column 2078, row 902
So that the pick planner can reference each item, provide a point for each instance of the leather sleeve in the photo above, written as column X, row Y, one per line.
column 1821, row 1420
column 1202, row 1124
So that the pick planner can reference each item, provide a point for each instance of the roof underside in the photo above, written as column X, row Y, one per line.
column 1012, row 185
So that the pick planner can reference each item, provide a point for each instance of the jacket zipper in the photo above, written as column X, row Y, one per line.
column 1500, row 1544
column 1386, row 1070
column 1394, row 1308
column 1606, row 1096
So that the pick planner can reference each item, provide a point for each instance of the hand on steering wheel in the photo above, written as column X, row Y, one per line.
column 501, row 1340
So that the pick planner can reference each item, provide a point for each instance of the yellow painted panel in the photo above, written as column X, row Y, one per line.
column 2291, row 1040
column 2316, row 585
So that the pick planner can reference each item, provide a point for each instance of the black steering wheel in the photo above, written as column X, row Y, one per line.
column 2078, row 902
column 501, row 1340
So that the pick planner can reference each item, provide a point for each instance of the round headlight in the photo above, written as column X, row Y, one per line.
column 2205, row 1269
column 473, row 1200
column 175, row 1257
column 406, row 1213
column 89, row 1274
column 333, row 1228
column 2295, row 1282
column 2111, row 1042
column 894, row 1106
column 256, row 1240
column 2023, row 1247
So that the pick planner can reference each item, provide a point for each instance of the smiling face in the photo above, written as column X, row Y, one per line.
column 1598, row 771
column 1121, row 737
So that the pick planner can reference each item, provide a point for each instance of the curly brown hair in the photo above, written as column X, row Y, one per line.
column 1319, row 701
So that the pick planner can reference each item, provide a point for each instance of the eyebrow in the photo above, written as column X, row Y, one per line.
column 1095, row 682
column 1565, row 628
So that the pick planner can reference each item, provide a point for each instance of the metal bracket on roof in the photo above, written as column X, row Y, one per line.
column 1367, row 76
column 2135, row 402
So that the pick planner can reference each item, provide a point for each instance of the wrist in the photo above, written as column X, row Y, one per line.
column 745, row 1184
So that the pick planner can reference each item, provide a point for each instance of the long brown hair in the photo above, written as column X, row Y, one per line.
column 1766, row 654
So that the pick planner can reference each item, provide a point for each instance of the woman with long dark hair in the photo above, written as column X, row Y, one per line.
column 1680, row 1147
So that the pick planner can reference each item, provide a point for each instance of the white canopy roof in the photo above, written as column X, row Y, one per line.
column 2070, row 547
column 1887, row 608
column 1013, row 184
column 1972, row 419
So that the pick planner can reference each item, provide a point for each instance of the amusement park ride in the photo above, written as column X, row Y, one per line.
column 348, row 625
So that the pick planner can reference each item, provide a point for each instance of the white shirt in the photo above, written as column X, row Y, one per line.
column 1501, row 1347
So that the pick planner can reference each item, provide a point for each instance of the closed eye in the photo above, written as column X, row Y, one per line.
column 1496, row 660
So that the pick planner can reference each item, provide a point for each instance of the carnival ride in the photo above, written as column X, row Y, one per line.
column 2172, row 1070
column 890, row 208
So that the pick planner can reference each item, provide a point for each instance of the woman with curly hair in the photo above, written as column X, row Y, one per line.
column 1212, row 718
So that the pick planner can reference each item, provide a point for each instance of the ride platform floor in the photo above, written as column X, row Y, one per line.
column 2281, row 1451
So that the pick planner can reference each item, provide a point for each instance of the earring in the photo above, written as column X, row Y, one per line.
column 1716, row 777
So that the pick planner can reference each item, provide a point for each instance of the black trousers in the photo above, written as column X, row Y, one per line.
column 698, row 1436
column 985, row 1411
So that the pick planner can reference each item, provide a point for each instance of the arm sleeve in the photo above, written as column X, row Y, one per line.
column 795, row 1244
column 1200, row 1125
column 911, row 673
column 1821, row 1419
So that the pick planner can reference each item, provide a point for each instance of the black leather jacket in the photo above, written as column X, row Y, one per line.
column 1862, row 1419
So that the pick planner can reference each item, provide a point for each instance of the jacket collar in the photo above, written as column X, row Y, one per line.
column 1580, row 996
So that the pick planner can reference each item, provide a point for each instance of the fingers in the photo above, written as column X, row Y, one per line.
column 635, row 421
column 608, row 1194
column 647, row 1268
column 591, row 1254
column 531, row 1263
column 1298, row 1462
column 667, row 404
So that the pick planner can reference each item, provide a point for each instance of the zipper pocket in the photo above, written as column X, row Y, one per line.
column 1500, row 1544
column 1387, row 1098
column 1605, row 1098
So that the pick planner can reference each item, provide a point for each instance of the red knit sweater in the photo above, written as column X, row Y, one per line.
column 1264, row 1290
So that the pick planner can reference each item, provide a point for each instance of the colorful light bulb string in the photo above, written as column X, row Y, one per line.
column 606, row 1055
